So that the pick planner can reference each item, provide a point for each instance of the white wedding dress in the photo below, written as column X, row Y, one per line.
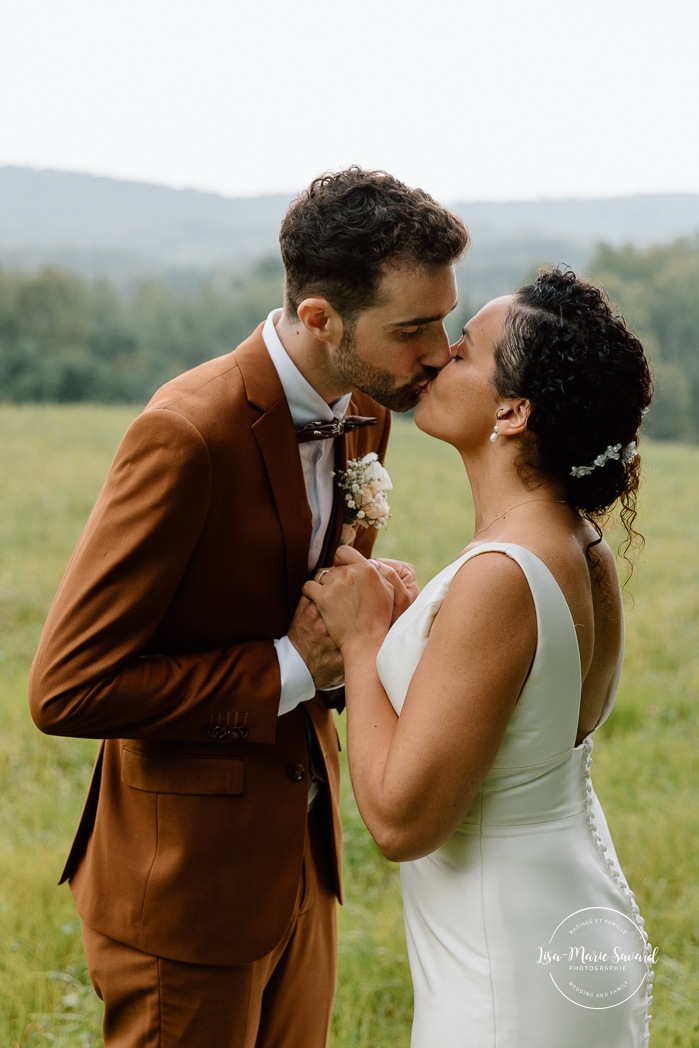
column 521, row 929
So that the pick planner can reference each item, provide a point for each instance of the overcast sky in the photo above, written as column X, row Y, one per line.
column 494, row 100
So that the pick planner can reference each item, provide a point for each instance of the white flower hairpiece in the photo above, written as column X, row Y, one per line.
column 627, row 454
column 364, row 485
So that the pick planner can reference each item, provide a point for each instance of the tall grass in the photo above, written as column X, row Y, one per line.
column 52, row 463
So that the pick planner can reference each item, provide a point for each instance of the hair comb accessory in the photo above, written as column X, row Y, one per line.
column 627, row 454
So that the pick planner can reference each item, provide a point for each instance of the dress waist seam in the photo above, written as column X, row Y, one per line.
column 482, row 826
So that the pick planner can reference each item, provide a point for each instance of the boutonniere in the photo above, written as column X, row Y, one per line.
column 363, row 485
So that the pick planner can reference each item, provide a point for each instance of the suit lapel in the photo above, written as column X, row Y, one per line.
column 276, row 438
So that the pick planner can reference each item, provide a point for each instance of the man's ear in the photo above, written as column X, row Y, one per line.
column 320, row 319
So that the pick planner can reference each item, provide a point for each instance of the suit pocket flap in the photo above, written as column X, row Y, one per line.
column 185, row 775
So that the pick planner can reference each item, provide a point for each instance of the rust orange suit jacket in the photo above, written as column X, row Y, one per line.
column 160, row 641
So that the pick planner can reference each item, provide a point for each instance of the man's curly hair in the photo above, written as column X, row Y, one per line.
column 340, row 236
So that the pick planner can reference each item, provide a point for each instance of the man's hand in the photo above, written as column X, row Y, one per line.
column 309, row 636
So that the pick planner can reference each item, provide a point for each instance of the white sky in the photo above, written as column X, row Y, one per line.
column 495, row 99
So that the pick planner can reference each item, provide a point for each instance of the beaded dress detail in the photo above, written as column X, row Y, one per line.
column 522, row 931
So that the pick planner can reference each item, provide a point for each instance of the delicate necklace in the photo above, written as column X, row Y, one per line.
column 510, row 509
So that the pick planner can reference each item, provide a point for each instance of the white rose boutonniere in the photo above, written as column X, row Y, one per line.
column 363, row 485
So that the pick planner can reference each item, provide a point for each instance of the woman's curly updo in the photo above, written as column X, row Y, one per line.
column 588, row 382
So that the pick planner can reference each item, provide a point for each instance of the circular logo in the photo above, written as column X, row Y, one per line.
column 597, row 957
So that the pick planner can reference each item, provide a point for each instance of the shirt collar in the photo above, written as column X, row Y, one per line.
column 304, row 403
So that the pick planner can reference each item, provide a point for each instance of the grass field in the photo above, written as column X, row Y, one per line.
column 52, row 463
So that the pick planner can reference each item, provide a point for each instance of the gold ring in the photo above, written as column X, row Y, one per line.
column 321, row 575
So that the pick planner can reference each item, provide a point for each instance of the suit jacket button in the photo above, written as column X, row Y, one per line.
column 296, row 772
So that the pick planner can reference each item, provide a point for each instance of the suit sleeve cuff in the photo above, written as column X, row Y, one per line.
column 297, row 682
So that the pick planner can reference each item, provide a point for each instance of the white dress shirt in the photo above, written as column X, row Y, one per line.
column 318, row 461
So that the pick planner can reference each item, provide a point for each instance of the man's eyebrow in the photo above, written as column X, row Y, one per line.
column 465, row 334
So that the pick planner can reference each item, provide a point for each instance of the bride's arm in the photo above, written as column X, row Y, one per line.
column 415, row 777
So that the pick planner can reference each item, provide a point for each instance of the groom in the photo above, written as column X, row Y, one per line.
column 206, row 865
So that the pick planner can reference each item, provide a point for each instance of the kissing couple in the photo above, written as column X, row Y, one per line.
column 206, row 624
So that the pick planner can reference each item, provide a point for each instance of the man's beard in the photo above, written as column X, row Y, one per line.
column 379, row 384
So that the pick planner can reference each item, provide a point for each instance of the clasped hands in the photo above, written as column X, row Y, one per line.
column 356, row 598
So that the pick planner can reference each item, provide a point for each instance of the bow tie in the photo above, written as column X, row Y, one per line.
column 326, row 430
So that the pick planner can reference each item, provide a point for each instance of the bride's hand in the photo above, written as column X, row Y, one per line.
column 353, row 598
column 402, row 579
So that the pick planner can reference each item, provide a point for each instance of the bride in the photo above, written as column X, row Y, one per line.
column 470, row 720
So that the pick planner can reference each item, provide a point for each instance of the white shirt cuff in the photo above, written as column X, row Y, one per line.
column 297, row 682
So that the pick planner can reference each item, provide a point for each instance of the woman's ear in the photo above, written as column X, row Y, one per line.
column 320, row 319
column 521, row 409
column 514, row 417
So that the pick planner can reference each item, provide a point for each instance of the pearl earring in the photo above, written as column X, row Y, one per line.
column 494, row 434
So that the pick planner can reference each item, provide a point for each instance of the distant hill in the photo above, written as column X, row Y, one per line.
column 127, row 230
column 638, row 220
column 44, row 214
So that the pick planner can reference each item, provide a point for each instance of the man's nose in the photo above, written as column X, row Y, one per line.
column 438, row 353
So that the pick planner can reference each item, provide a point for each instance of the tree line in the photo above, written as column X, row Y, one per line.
column 657, row 292
column 66, row 339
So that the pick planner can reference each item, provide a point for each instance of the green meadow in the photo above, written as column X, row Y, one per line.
column 52, row 463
